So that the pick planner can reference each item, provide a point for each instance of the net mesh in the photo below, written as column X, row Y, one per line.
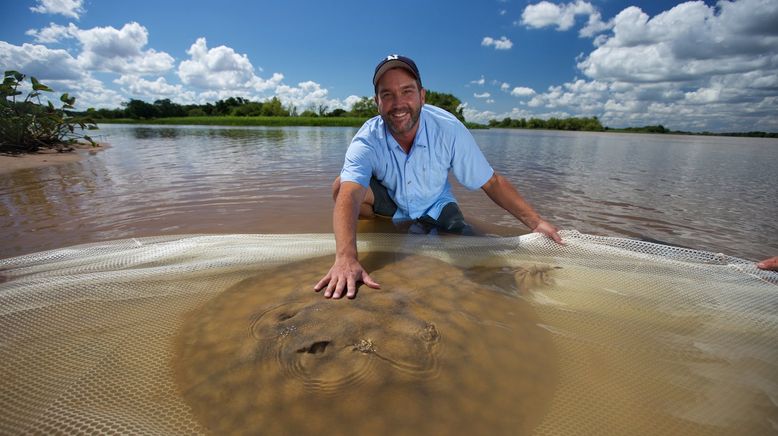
column 649, row 338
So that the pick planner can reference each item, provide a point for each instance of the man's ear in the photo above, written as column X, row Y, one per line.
column 375, row 99
column 423, row 96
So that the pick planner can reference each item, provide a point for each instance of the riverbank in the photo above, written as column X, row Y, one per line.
column 244, row 121
column 14, row 162
column 255, row 121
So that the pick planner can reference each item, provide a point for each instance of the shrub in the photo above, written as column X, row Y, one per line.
column 29, row 125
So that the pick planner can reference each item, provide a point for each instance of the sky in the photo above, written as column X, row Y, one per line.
column 693, row 66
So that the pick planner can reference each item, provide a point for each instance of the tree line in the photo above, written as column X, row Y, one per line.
column 365, row 107
column 591, row 124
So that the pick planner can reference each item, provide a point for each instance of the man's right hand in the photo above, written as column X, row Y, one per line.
column 770, row 264
column 344, row 274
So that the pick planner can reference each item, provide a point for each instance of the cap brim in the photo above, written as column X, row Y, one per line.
column 391, row 65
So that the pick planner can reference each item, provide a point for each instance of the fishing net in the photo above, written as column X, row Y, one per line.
column 223, row 334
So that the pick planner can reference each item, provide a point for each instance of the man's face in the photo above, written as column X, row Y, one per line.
column 399, row 101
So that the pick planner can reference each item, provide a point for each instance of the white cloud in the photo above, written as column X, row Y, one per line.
column 694, row 67
column 350, row 101
column 310, row 95
column 688, row 42
column 505, row 87
column 476, row 116
column 221, row 68
column 545, row 14
column 107, row 49
column 40, row 61
column 91, row 92
column 479, row 82
column 522, row 91
column 68, row 8
column 483, row 117
column 121, row 51
column 53, row 33
column 499, row 44
column 151, row 90
column 482, row 95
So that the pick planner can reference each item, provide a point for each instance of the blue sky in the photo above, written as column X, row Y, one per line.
column 687, row 65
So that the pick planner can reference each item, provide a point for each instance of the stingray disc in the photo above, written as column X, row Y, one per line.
column 431, row 352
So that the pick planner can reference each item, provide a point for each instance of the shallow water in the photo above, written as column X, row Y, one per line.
column 223, row 334
column 709, row 193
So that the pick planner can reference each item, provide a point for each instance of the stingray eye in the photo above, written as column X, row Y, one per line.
column 283, row 316
column 315, row 348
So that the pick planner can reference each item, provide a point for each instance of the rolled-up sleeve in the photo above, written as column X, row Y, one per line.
column 358, row 164
column 469, row 164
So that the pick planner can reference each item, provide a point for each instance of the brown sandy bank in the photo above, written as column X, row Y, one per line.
column 10, row 163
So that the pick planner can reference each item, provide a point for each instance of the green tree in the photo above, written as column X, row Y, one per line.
column 139, row 109
column 225, row 107
column 364, row 108
column 250, row 109
column 447, row 102
column 336, row 113
column 167, row 108
column 274, row 108
column 196, row 112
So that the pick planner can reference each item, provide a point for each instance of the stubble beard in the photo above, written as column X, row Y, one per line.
column 403, row 127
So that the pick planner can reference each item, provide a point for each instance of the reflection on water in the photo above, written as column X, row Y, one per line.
column 716, row 194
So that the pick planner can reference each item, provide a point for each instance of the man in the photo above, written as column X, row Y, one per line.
column 398, row 165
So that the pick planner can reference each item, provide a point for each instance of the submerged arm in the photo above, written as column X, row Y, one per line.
column 505, row 195
column 346, row 271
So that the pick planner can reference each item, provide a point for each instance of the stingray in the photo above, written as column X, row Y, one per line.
column 434, row 351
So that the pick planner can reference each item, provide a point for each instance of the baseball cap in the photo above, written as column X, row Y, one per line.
column 395, row 61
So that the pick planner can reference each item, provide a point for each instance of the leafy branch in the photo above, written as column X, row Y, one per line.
column 29, row 125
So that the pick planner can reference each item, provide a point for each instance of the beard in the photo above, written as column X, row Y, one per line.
column 402, row 120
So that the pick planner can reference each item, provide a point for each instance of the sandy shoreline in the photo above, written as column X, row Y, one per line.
column 10, row 163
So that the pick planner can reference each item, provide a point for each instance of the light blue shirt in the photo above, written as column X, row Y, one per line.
column 417, row 181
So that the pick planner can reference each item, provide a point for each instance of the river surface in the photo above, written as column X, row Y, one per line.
column 710, row 193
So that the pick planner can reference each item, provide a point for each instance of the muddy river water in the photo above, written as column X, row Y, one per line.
column 221, row 333
column 710, row 193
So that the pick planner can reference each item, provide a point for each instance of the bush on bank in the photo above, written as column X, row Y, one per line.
column 30, row 125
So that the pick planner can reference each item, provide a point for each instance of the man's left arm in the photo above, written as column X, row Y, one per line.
column 505, row 195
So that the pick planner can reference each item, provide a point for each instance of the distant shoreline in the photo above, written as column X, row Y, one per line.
column 357, row 122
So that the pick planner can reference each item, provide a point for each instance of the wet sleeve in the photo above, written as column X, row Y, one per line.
column 469, row 164
column 357, row 166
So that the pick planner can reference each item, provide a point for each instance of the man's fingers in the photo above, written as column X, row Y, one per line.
column 319, row 286
column 343, row 280
column 558, row 239
column 340, row 286
column 769, row 264
column 331, row 287
column 366, row 279
column 351, row 288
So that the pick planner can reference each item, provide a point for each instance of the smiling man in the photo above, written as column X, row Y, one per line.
column 397, row 166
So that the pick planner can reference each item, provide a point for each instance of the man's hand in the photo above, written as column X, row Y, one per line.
column 549, row 230
column 770, row 264
column 345, row 273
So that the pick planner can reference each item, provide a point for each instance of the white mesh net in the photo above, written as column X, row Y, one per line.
column 641, row 338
